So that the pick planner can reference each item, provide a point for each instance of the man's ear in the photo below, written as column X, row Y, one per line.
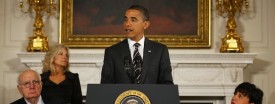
column 19, row 89
column 146, row 24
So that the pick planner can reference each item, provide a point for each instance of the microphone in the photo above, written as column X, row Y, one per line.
column 138, row 69
column 128, row 68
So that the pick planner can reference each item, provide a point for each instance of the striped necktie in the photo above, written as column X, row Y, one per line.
column 137, row 63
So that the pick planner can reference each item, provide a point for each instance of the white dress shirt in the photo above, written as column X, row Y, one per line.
column 40, row 101
column 140, row 48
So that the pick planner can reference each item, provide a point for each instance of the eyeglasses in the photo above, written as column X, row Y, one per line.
column 28, row 83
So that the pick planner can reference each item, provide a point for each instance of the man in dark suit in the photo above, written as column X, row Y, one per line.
column 29, row 86
column 120, row 59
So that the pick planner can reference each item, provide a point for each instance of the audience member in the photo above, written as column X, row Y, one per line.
column 247, row 93
column 57, row 80
column 29, row 86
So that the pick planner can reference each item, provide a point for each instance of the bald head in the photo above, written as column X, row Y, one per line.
column 28, row 72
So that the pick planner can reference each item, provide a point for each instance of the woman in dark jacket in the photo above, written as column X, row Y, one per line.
column 57, row 80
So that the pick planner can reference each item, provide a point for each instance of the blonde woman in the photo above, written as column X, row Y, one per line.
column 57, row 80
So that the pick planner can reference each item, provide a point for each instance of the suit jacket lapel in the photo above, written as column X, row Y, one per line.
column 146, row 59
column 22, row 101
column 125, row 49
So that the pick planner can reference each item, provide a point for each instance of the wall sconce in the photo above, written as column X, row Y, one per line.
column 38, row 42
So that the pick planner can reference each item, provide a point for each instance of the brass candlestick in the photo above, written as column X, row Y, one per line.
column 38, row 42
column 232, row 42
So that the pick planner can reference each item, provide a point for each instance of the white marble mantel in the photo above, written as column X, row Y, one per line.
column 209, row 74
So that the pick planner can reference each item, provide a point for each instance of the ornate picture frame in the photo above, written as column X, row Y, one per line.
column 76, row 31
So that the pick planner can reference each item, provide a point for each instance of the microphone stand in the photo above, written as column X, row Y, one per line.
column 128, row 68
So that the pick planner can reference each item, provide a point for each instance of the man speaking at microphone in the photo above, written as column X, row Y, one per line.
column 136, row 59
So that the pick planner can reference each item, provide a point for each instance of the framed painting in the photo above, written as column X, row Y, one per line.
column 99, row 23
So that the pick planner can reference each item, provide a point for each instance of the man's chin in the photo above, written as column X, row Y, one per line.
column 130, row 36
column 30, row 96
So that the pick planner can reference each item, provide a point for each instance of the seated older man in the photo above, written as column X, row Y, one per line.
column 29, row 86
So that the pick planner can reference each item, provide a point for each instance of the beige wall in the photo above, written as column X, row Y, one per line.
column 257, row 31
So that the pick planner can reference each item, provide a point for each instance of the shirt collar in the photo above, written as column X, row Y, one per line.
column 40, row 101
column 141, row 42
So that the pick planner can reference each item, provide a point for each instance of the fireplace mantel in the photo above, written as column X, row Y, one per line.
column 209, row 74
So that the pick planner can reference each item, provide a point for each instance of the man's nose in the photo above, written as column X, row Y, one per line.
column 127, row 23
column 32, row 85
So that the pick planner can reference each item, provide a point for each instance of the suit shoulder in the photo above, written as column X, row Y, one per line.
column 117, row 45
column 156, row 44
column 19, row 101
